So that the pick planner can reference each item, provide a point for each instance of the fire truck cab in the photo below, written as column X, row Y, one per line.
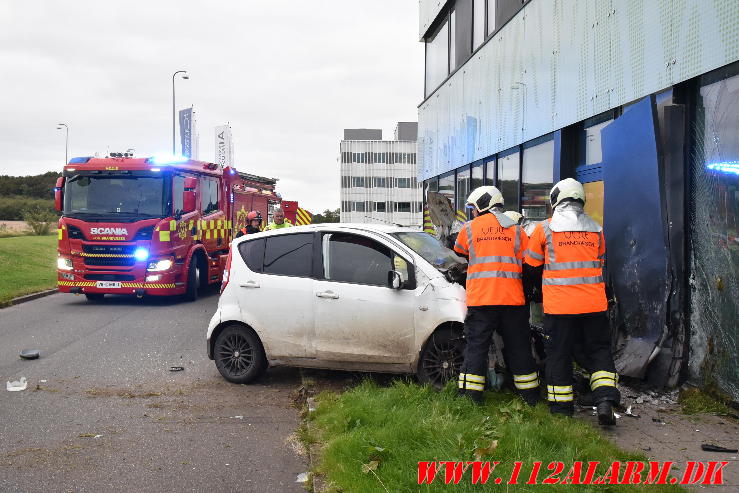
column 157, row 226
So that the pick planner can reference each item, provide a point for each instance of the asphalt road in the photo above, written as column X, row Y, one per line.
column 102, row 411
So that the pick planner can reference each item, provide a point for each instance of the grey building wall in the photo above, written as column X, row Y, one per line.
column 363, row 134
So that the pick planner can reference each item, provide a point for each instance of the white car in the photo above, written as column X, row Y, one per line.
column 340, row 296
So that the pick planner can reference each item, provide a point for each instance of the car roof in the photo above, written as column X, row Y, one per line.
column 374, row 228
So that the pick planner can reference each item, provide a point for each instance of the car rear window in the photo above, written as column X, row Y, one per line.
column 253, row 254
column 289, row 255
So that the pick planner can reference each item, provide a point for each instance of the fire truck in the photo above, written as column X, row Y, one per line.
column 158, row 226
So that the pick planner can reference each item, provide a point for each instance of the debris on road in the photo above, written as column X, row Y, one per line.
column 30, row 354
column 630, row 413
column 237, row 417
column 303, row 477
column 658, row 420
column 176, row 368
column 18, row 385
column 707, row 447
column 89, row 435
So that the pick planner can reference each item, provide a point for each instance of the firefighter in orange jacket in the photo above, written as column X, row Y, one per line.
column 571, row 248
column 494, row 245
column 253, row 223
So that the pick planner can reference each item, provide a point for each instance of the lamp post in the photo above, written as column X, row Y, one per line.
column 184, row 76
column 66, row 141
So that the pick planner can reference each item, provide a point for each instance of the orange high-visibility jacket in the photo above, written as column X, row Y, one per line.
column 495, row 255
column 572, row 282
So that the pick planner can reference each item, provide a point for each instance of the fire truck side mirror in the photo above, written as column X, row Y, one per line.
column 59, row 194
column 188, row 196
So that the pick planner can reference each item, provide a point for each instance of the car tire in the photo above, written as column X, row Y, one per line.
column 94, row 296
column 441, row 357
column 193, row 280
column 239, row 354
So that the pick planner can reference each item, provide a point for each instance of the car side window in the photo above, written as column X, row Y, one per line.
column 253, row 254
column 208, row 195
column 178, row 186
column 289, row 255
column 358, row 260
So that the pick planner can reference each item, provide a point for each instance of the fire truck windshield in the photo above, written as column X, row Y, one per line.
column 115, row 197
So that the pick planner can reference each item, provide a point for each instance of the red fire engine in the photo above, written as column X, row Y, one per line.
column 151, row 226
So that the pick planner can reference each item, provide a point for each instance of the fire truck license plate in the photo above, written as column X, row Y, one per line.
column 108, row 284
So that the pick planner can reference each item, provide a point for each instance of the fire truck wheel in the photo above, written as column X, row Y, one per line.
column 193, row 281
column 239, row 354
column 94, row 296
column 441, row 357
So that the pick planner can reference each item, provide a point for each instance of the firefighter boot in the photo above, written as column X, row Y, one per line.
column 605, row 413
column 530, row 396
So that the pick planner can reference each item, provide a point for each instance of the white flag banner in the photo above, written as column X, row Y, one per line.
column 224, row 146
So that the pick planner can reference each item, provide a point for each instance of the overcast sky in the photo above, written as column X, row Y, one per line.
column 287, row 75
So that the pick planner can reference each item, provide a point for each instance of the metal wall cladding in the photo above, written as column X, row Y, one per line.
column 558, row 62
column 428, row 10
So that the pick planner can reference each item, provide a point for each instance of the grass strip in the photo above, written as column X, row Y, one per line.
column 28, row 265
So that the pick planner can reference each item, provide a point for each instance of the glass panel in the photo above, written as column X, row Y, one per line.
column 463, row 189
column 253, row 254
column 594, row 194
column 430, row 248
column 508, row 179
column 402, row 206
column 452, row 44
column 538, row 176
column 462, row 31
column 478, row 28
column 593, row 149
column 491, row 16
column 358, row 260
column 437, row 58
column 289, row 255
column 446, row 187
column 490, row 172
column 476, row 177
column 178, row 187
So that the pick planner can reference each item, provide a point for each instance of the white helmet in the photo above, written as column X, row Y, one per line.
column 484, row 198
column 516, row 216
column 568, row 188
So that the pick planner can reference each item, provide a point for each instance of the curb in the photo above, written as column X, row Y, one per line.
column 29, row 297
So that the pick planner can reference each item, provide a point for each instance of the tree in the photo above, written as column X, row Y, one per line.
column 328, row 216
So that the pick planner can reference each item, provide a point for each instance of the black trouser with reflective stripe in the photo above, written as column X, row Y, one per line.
column 512, row 323
column 592, row 332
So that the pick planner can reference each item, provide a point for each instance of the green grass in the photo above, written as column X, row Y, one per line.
column 693, row 401
column 28, row 264
column 373, row 438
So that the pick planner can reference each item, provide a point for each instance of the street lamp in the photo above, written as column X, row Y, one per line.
column 184, row 76
column 66, row 141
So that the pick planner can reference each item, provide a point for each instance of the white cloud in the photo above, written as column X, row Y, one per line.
column 288, row 76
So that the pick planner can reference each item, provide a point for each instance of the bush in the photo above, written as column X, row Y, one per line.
column 13, row 206
column 39, row 218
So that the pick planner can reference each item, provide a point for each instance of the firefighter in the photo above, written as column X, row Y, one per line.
column 494, row 245
column 279, row 220
column 253, row 224
column 571, row 248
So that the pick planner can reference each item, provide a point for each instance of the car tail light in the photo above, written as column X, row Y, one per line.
column 226, row 271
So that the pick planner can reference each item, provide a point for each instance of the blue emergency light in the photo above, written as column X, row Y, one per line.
column 141, row 254
column 168, row 159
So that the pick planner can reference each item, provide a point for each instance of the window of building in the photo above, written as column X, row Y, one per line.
column 253, row 254
column 463, row 189
column 209, row 195
column 359, row 207
column 490, row 174
column 478, row 23
column 452, row 43
column 358, row 181
column 492, row 26
column 462, row 38
column 357, row 260
column 537, row 176
column 509, row 179
column 379, row 182
column 402, row 206
column 403, row 183
column 446, row 187
column 380, row 207
column 477, row 177
column 593, row 144
column 437, row 57
column 289, row 255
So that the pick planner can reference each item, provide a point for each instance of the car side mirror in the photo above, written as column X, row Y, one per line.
column 59, row 194
column 394, row 280
column 188, row 196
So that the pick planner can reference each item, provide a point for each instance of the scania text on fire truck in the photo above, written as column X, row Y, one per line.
column 151, row 226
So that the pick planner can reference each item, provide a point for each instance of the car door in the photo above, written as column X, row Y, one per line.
column 358, row 317
column 276, row 291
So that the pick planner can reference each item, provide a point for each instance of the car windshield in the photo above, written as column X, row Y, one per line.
column 428, row 247
column 115, row 195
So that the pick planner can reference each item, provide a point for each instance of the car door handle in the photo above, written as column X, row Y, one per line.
column 328, row 294
column 249, row 284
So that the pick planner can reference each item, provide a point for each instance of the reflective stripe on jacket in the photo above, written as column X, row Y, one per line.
column 572, row 282
column 495, row 254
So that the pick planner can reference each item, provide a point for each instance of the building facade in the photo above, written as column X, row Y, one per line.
column 639, row 100
column 379, row 178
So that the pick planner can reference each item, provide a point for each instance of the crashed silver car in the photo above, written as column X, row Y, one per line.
column 340, row 296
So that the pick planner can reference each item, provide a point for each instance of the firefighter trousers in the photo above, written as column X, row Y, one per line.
column 512, row 323
column 563, row 334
